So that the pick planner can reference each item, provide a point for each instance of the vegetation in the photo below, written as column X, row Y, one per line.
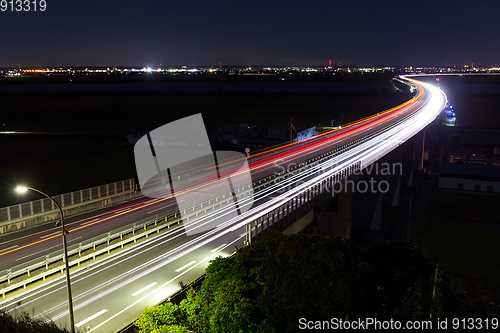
column 465, row 243
column 268, row 286
column 22, row 323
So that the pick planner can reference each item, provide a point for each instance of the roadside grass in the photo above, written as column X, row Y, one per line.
column 463, row 249
column 460, row 230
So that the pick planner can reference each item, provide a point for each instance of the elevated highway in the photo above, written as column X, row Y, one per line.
column 110, row 292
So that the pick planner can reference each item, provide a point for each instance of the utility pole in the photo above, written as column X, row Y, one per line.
column 409, row 219
column 414, row 147
column 423, row 149
column 435, row 282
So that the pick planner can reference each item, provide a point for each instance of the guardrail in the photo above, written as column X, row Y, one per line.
column 40, row 270
column 43, row 267
column 27, row 209
column 94, row 244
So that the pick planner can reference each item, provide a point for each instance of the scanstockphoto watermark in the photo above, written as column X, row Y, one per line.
column 374, row 324
column 370, row 180
column 365, row 324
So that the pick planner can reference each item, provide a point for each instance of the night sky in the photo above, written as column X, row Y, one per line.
column 292, row 32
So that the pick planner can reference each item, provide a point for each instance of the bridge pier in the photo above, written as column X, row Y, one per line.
column 358, row 204
column 405, row 162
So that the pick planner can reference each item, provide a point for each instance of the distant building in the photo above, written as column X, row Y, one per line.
column 475, row 161
column 470, row 177
column 282, row 131
column 133, row 137
column 475, row 146
column 232, row 132
column 257, row 143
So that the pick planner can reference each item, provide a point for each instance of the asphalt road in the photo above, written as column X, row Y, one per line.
column 113, row 291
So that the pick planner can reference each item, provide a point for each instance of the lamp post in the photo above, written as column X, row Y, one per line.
column 22, row 189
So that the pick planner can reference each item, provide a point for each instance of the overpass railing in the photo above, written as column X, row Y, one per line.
column 278, row 219
column 27, row 209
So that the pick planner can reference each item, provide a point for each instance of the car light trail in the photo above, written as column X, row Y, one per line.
column 326, row 139
column 425, row 107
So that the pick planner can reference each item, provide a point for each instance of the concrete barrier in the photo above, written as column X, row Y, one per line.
column 51, row 216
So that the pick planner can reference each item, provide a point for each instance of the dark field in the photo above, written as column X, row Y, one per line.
column 112, row 112
column 478, row 110
column 84, row 140
column 460, row 231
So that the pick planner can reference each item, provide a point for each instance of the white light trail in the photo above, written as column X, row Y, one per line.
column 367, row 153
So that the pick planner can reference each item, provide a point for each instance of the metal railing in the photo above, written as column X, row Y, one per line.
column 40, row 268
column 77, row 253
column 43, row 267
column 27, row 209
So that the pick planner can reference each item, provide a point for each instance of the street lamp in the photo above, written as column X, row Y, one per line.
column 22, row 189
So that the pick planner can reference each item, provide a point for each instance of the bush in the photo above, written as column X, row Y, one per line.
column 22, row 323
column 270, row 285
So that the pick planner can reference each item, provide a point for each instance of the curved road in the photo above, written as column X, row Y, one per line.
column 109, row 293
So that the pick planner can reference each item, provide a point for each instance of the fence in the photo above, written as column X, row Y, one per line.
column 72, row 198
column 279, row 219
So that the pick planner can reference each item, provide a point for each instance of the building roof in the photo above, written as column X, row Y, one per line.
column 478, row 137
column 487, row 171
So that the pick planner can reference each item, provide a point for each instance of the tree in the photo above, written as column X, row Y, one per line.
column 165, row 317
column 224, row 302
column 269, row 286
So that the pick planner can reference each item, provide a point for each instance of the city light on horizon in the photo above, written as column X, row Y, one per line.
column 261, row 33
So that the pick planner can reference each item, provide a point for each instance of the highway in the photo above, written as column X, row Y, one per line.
column 262, row 164
column 111, row 292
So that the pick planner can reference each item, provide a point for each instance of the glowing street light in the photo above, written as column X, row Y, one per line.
column 23, row 189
